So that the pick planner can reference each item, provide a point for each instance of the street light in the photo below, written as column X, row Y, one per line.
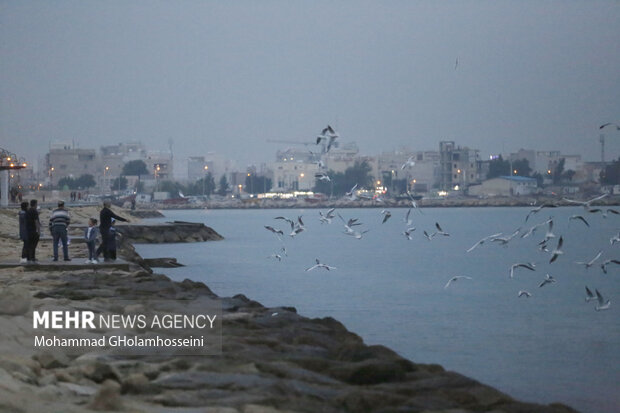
column 204, row 179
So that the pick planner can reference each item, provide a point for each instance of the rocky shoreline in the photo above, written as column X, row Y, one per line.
column 273, row 359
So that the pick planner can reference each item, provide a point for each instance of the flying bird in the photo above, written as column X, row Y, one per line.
column 548, row 280
column 406, row 219
column 386, row 215
column 410, row 162
column 609, row 124
column 607, row 262
column 529, row 265
column 407, row 233
column 586, row 204
column 589, row 295
column 483, row 240
column 614, row 239
column 327, row 134
column 456, row 278
column 276, row 256
column 557, row 251
column 602, row 304
column 505, row 240
column 579, row 217
column 320, row 265
column 538, row 209
column 592, row 261
column 523, row 293
column 275, row 231
column 440, row 231
column 322, row 176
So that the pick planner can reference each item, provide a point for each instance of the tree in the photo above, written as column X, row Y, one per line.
column 340, row 183
column 83, row 182
column 174, row 188
column 116, row 185
column 135, row 168
column 498, row 167
column 557, row 172
column 257, row 184
column 522, row 166
column 224, row 186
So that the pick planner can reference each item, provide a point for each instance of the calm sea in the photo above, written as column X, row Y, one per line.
column 551, row 347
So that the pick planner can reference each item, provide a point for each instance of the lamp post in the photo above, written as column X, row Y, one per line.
column 157, row 169
column 206, row 168
column 105, row 172
column 251, row 183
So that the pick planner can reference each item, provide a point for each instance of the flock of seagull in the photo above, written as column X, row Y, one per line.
column 352, row 227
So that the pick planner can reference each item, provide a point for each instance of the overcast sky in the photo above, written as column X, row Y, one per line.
column 226, row 76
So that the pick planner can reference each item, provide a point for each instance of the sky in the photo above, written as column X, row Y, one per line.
column 225, row 77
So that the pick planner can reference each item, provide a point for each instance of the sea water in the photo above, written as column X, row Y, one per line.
column 551, row 347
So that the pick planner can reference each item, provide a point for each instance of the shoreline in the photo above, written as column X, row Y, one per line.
column 273, row 359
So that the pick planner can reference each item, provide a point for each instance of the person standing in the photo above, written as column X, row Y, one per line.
column 59, row 222
column 33, row 231
column 23, row 234
column 105, row 222
column 90, row 235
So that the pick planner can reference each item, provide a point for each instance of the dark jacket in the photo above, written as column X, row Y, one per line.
column 105, row 219
column 23, row 234
column 33, row 225
column 60, row 217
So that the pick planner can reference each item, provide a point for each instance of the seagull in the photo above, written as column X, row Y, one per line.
column 386, row 215
column 456, row 278
column 557, row 251
column 614, row 239
column 609, row 124
column 483, row 240
column 413, row 203
column 548, row 280
column 591, row 262
column 283, row 249
column 586, row 204
column 296, row 231
column 538, row 209
column 410, row 162
column 351, row 193
column 290, row 221
column 355, row 234
column 523, row 293
column 589, row 295
column 505, row 240
column 406, row 219
column 275, row 231
column 350, row 223
column 602, row 304
column 534, row 228
column 408, row 233
column 276, row 256
column 319, row 265
column 606, row 263
column 429, row 237
column 327, row 134
column 529, row 265
column 549, row 233
column 579, row 217
column 610, row 211
column 327, row 217
column 322, row 176
column 440, row 231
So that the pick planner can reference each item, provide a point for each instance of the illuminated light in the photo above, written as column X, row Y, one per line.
column 414, row 181
column 24, row 164
column 514, row 172
column 249, row 174
column 302, row 174
column 378, row 182
column 12, row 165
column 458, row 171
column 442, row 193
column 456, row 187
column 549, row 171
column 206, row 167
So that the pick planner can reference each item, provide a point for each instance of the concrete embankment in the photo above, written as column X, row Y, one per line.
column 273, row 359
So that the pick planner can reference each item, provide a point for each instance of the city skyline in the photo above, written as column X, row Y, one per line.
column 228, row 77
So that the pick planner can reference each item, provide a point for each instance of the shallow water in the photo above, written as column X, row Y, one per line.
column 551, row 347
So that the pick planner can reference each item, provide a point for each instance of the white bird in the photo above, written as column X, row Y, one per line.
column 440, row 231
column 353, row 233
column 296, row 231
column 406, row 219
column 407, row 233
column 413, row 203
column 386, row 215
column 549, row 233
column 456, row 278
column 548, row 280
column 320, row 265
column 505, row 240
column 586, row 204
column 327, row 218
column 557, row 251
column 276, row 256
column 351, row 193
column 602, row 304
column 591, row 262
column 528, row 265
column 534, row 228
column 523, row 293
column 614, row 239
column 322, row 176
column 607, row 262
column 483, row 240
column 410, row 162
column 589, row 295
column 429, row 236
column 579, row 217
column 327, row 134
column 538, row 209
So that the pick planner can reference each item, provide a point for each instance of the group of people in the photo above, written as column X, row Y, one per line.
column 30, row 232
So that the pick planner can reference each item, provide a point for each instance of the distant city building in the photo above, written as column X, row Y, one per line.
column 504, row 186
column 458, row 166
column 421, row 176
column 114, row 158
column 66, row 161
column 160, row 165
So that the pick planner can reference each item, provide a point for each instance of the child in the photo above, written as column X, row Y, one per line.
column 90, row 235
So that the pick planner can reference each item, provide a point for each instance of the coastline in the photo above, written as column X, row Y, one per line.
column 273, row 359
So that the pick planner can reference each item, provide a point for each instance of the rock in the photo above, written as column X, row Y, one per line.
column 79, row 389
column 99, row 372
column 108, row 397
column 49, row 360
column 137, row 383
column 14, row 300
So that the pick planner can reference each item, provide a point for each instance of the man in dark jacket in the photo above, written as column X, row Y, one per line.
column 105, row 222
column 33, row 231
column 59, row 222
column 23, row 234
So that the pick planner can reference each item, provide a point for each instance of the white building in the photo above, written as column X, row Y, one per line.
column 505, row 186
